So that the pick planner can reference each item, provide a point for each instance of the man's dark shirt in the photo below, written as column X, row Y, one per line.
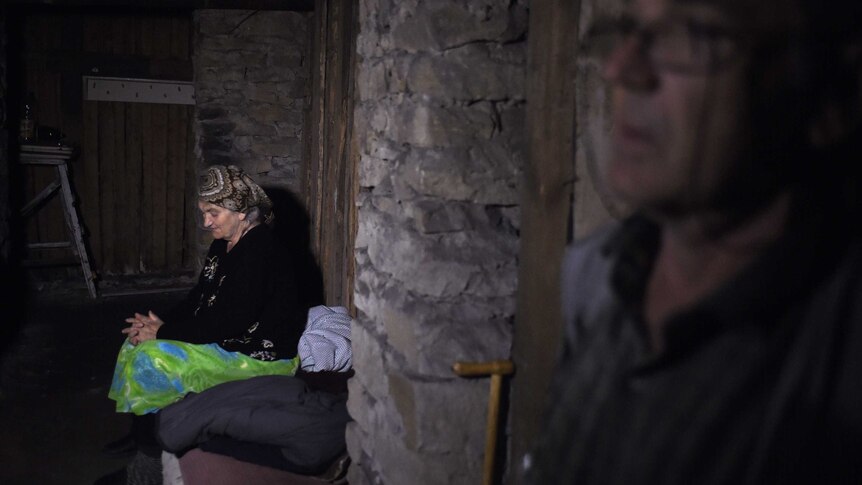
column 759, row 383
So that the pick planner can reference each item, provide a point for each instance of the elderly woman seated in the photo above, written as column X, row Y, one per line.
column 241, row 319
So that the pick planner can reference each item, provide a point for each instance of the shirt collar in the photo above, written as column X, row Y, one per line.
column 756, row 296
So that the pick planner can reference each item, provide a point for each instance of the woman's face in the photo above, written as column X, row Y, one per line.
column 223, row 223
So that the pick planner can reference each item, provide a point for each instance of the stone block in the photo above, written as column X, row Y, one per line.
column 445, row 330
column 447, row 24
column 443, row 173
column 289, row 129
column 496, row 175
column 215, row 143
column 496, row 281
column 290, row 167
column 216, row 128
column 269, row 112
column 254, row 127
column 435, row 412
column 256, row 164
column 470, row 73
column 424, row 124
column 210, row 112
column 411, row 259
column 242, row 143
column 371, row 80
column 372, row 171
column 258, row 92
column 434, row 216
column 215, row 22
column 289, row 60
column 236, row 57
column 368, row 351
column 289, row 25
column 216, row 158
column 283, row 147
column 513, row 127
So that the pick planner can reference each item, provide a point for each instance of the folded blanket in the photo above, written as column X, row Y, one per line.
column 308, row 426
column 325, row 343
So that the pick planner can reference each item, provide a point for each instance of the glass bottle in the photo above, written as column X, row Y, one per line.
column 28, row 119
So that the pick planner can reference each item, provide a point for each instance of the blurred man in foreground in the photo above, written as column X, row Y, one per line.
column 715, row 337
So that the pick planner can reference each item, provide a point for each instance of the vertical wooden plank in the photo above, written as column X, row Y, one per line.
column 32, row 223
column 332, row 187
column 131, row 24
column 314, row 179
column 180, row 37
column 159, row 128
column 48, row 107
column 175, row 176
column 120, row 208
column 107, row 168
column 132, row 177
column 119, row 34
column 351, row 158
column 91, row 34
column 190, row 237
column 146, row 29
column 105, row 34
column 90, row 188
column 90, row 150
column 546, row 204
column 330, row 162
column 53, row 32
column 147, row 169
column 162, row 37
column 34, row 47
column 51, row 223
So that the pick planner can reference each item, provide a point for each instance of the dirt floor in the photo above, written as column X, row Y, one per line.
column 55, row 370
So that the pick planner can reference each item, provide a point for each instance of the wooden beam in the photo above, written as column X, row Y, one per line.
column 546, row 208
column 288, row 5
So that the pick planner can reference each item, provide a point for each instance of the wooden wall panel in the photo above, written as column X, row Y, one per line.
column 175, row 187
column 147, row 199
column 135, row 160
column 159, row 154
column 107, row 167
column 130, row 219
column 89, row 189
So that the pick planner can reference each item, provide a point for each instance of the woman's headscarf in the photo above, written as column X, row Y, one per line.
column 231, row 188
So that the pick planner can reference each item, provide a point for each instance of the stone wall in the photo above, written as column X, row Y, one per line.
column 5, row 125
column 251, row 77
column 440, row 122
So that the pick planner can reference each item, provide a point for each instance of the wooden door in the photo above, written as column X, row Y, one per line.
column 135, row 170
column 138, row 164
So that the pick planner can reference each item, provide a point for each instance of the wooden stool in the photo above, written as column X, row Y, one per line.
column 58, row 157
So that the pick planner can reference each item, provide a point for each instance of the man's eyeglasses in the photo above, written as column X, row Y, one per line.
column 681, row 45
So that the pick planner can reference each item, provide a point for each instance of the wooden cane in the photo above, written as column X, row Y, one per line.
column 497, row 369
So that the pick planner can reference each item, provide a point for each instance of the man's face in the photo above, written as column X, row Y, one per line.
column 678, row 129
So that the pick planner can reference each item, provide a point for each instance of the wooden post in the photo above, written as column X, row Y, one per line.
column 329, row 167
column 545, row 207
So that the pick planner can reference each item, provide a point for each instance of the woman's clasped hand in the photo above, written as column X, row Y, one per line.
column 142, row 327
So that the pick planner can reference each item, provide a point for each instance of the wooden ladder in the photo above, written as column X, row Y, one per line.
column 58, row 157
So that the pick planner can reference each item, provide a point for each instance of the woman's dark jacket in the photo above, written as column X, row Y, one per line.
column 245, row 300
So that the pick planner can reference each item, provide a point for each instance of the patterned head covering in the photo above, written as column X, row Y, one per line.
column 233, row 189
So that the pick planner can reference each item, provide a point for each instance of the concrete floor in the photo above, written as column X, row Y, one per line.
column 55, row 371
